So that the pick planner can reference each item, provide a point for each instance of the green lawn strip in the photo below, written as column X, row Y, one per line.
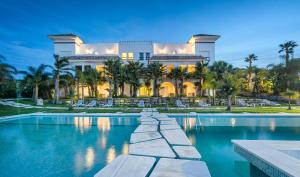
column 234, row 110
column 8, row 110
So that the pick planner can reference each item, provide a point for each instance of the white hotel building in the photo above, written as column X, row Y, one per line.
column 83, row 55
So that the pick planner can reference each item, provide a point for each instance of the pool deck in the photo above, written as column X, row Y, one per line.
column 159, row 148
column 273, row 157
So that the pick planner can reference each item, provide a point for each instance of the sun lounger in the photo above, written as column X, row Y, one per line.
column 203, row 104
column 108, row 104
column 93, row 103
column 179, row 104
column 141, row 104
column 79, row 103
column 270, row 103
column 242, row 103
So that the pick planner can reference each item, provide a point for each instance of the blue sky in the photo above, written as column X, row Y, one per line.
column 246, row 26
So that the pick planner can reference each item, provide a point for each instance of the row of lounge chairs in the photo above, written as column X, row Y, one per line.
column 201, row 103
column 109, row 103
column 260, row 102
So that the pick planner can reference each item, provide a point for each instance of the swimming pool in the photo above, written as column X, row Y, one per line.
column 62, row 145
column 212, row 136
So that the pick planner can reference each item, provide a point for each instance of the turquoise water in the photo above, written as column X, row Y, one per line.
column 212, row 137
column 62, row 145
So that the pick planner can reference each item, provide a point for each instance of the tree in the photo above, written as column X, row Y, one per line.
column 229, row 88
column 6, row 71
column 178, row 74
column 134, row 72
column 122, row 78
column 79, row 77
column 288, row 49
column 112, row 69
column 61, row 66
column 156, row 71
column 290, row 95
column 277, row 75
column 250, row 59
column 35, row 77
column 92, row 79
column 220, row 68
column 68, row 81
column 201, row 71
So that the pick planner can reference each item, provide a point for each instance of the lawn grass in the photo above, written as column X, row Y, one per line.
column 9, row 110
column 234, row 110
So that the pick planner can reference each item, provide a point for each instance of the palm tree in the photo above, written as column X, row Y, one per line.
column 288, row 49
column 79, row 82
column 36, row 76
column 200, row 74
column 134, row 71
column 6, row 71
column 92, row 78
column 68, row 81
column 229, row 88
column 178, row 74
column 250, row 59
column 220, row 68
column 60, row 67
column 122, row 78
column 112, row 69
column 290, row 95
column 156, row 70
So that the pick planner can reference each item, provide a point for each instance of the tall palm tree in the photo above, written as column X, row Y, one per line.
column 122, row 78
column 36, row 76
column 288, row 49
column 93, row 79
column 112, row 69
column 156, row 70
column 68, row 81
column 134, row 71
column 6, row 71
column 79, row 82
column 61, row 66
column 290, row 95
column 200, row 74
column 229, row 88
column 178, row 74
column 250, row 59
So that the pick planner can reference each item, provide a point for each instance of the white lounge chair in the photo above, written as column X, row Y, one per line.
column 108, row 104
column 270, row 103
column 179, row 104
column 93, row 103
column 141, row 104
column 203, row 104
column 79, row 103
column 242, row 103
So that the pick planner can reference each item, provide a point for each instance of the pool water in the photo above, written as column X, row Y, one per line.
column 62, row 145
column 212, row 136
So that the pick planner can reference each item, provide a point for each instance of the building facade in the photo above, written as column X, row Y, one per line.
column 83, row 55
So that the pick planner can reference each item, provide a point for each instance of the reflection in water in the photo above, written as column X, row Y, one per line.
column 83, row 123
column 103, row 124
column 78, row 163
column 89, row 157
column 103, row 141
column 272, row 126
column 189, row 123
column 125, row 148
column 233, row 122
column 111, row 154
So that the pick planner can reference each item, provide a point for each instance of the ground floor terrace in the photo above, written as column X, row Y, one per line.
column 167, row 89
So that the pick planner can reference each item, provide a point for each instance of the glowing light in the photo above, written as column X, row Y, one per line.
column 273, row 125
column 89, row 157
column 233, row 122
column 82, row 123
column 103, row 124
column 125, row 149
column 111, row 154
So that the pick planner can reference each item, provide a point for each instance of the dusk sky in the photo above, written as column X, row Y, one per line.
column 253, row 26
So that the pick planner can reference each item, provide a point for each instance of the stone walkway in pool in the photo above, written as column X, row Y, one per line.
column 158, row 148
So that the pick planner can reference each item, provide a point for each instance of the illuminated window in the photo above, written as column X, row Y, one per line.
column 130, row 56
column 124, row 56
column 191, row 68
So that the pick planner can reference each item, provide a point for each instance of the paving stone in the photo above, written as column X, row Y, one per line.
column 150, row 123
column 157, row 148
column 145, row 128
column 169, row 122
column 180, row 168
column 189, row 152
column 127, row 165
column 139, row 137
column 148, row 119
column 176, row 137
column 169, row 127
